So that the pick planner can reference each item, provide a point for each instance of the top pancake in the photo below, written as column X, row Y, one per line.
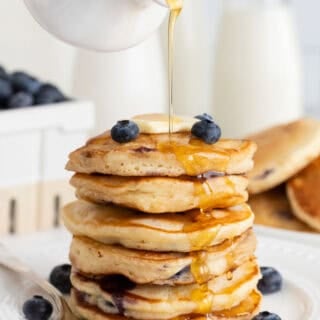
column 282, row 152
column 303, row 192
column 155, row 155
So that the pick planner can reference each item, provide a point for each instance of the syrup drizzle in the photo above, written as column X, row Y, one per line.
column 175, row 7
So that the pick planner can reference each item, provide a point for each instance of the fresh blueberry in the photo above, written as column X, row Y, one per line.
column 3, row 73
column 60, row 278
column 49, row 93
column 204, row 116
column 265, row 315
column 206, row 130
column 37, row 308
column 24, row 82
column 5, row 89
column 124, row 131
column 271, row 281
column 20, row 99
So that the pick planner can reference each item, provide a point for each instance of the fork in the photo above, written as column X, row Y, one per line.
column 61, row 311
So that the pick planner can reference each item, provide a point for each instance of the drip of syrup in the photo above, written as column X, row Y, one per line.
column 175, row 7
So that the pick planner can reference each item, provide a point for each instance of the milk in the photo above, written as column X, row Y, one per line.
column 257, row 74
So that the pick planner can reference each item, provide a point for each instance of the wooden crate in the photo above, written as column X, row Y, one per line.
column 34, row 144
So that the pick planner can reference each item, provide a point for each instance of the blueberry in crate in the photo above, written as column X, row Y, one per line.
column 49, row 93
column 5, row 90
column 21, row 81
column 20, row 99
column 3, row 73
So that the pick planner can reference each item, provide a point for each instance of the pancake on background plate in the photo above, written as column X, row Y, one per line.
column 304, row 194
column 283, row 151
column 272, row 208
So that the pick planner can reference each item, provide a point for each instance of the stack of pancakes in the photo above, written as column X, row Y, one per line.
column 161, row 229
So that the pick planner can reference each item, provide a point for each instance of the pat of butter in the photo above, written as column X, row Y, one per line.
column 159, row 123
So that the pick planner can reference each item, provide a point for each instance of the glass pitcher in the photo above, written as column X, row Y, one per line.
column 257, row 73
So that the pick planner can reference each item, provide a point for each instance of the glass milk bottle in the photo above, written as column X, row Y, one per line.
column 257, row 70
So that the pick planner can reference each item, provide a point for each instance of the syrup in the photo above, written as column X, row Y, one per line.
column 175, row 7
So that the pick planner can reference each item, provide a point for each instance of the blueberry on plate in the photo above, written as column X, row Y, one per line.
column 49, row 93
column 265, row 315
column 206, row 130
column 60, row 278
column 5, row 89
column 20, row 99
column 271, row 281
column 204, row 116
column 21, row 81
column 124, row 131
column 37, row 308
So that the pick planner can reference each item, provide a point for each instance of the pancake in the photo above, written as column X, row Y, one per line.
column 183, row 232
column 117, row 295
column 303, row 192
column 162, row 194
column 282, row 152
column 246, row 310
column 154, row 155
column 272, row 208
column 96, row 259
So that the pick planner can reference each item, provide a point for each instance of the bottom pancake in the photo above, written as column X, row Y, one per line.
column 272, row 208
column 303, row 193
column 118, row 295
column 246, row 310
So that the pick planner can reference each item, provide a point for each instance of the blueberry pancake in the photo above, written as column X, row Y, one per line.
column 90, row 257
column 303, row 192
column 83, row 306
column 282, row 152
column 272, row 208
column 117, row 295
column 162, row 194
column 183, row 232
column 154, row 155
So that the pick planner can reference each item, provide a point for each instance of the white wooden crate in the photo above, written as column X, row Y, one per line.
column 34, row 145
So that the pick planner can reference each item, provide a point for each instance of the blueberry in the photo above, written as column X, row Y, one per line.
column 124, row 131
column 5, row 89
column 3, row 73
column 271, row 281
column 60, row 278
column 20, row 99
column 204, row 116
column 37, row 308
column 265, row 315
column 21, row 81
column 206, row 130
column 49, row 93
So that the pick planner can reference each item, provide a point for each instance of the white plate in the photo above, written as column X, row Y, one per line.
column 296, row 256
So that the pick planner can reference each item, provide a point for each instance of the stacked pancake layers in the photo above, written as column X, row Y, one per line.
column 162, row 229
